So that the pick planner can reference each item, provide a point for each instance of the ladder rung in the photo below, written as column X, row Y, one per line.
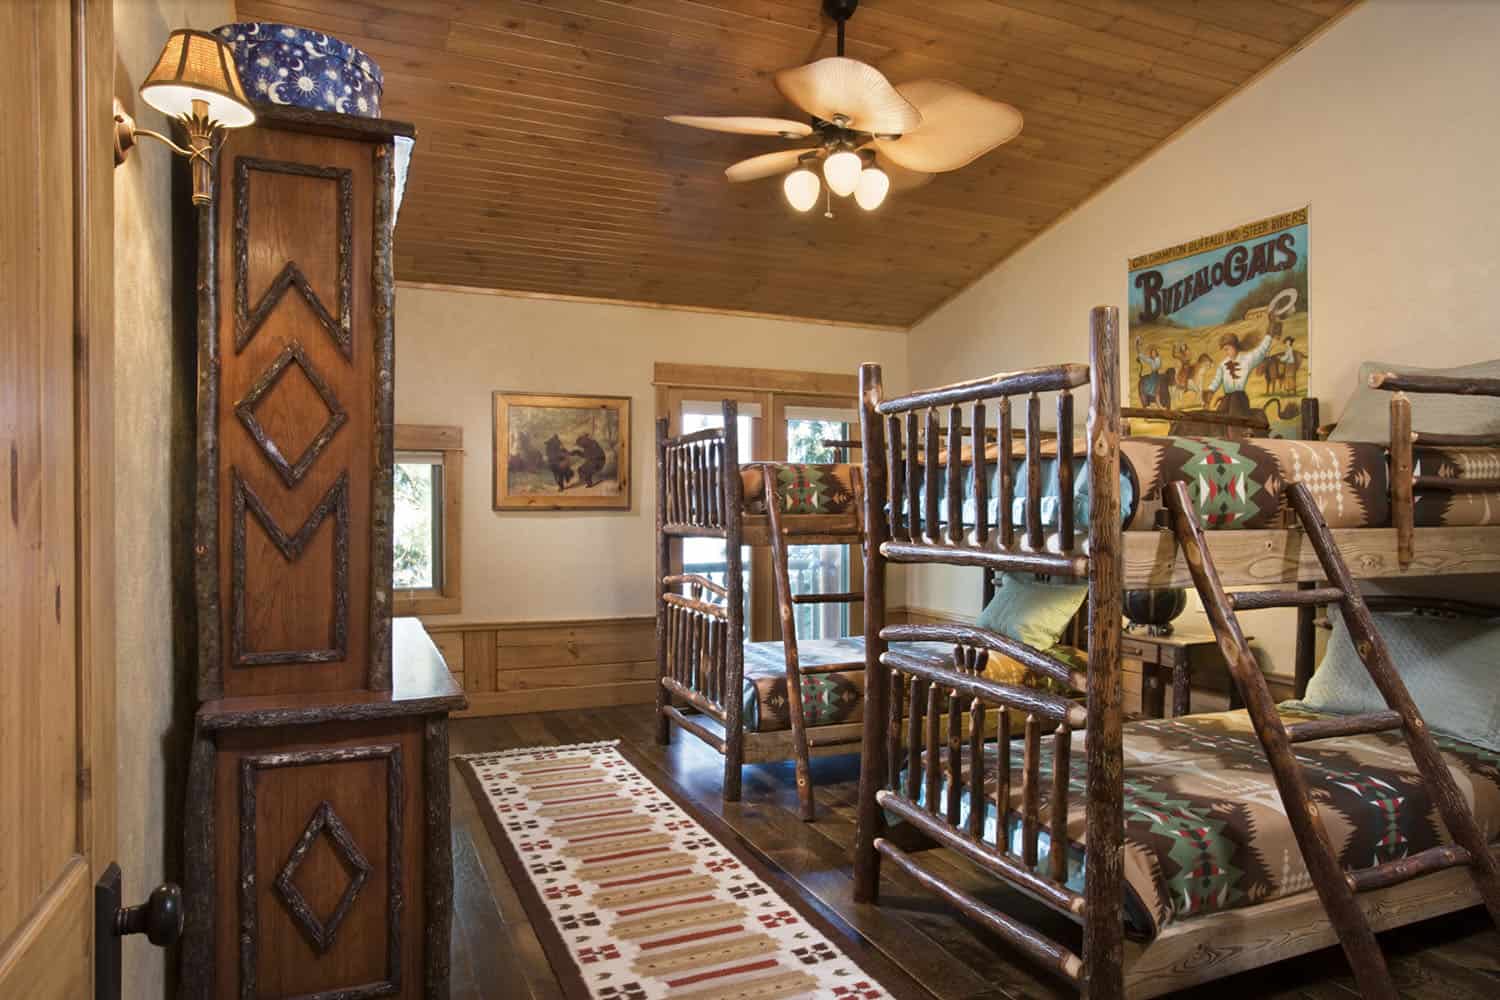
column 1255, row 600
column 1434, row 859
column 840, row 598
column 1351, row 725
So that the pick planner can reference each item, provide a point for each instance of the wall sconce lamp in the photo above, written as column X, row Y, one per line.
column 194, row 82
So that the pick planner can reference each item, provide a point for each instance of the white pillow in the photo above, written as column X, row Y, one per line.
column 1450, row 666
column 1368, row 415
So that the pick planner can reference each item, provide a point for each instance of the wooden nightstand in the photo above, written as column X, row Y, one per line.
column 1153, row 661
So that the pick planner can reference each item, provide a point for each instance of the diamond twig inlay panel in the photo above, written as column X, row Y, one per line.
column 320, row 932
column 291, row 472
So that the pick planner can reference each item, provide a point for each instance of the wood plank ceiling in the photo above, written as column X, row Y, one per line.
column 543, row 163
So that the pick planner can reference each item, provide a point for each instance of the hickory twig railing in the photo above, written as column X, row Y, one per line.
column 915, row 513
column 1404, row 441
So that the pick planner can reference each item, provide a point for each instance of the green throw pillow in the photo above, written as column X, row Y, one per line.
column 1030, row 611
column 1448, row 666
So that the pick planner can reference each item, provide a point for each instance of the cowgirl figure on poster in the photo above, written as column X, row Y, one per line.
column 1233, row 376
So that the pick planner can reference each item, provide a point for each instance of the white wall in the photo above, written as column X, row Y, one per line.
column 1385, row 125
column 455, row 348
column 154, row 395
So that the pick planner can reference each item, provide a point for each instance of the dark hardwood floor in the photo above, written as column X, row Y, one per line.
column 497, row 955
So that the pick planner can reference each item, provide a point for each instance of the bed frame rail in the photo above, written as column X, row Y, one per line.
column 1404, row 481
column 911, row 456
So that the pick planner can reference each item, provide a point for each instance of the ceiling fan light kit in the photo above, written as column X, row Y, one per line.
column 872, row 188
column 841, row 170
column 801, row 188
column 871, row 135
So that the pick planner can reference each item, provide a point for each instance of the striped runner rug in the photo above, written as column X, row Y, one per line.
column 633, row 899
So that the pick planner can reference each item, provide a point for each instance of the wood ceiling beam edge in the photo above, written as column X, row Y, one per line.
column 668, row 306
column 762, row 283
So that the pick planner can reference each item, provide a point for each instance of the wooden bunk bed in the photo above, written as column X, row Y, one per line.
column 925, row 502
column 810, row 691
column 747, row 699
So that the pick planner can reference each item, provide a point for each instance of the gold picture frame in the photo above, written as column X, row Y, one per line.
column 561, row 452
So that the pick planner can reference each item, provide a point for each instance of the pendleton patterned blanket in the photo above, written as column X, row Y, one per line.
column 839, row 696
column 803, row 489
column 828, row 698
column 1235, row 484
column 1204, row 825
column 1242, row 483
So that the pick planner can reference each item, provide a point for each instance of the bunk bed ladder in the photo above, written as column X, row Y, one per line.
column 1336, row 887
column 804, row 737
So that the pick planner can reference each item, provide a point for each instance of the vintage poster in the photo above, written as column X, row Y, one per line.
column 1220, row 323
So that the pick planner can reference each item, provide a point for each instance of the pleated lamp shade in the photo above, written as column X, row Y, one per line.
column 197, row 66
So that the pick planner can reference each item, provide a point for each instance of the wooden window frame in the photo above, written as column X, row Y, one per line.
column 447, row 599
column 773, row 389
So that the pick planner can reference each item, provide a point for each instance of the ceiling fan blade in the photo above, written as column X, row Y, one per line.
column 902, row 179
column 958, row 127
column 764, row 165
column 745, row 125
column 848, row 87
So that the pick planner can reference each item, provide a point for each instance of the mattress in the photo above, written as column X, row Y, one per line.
column 838, row 696
column 1205, row 830
column 1235, row 484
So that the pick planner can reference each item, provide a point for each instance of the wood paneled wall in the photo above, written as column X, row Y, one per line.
column 508, row 668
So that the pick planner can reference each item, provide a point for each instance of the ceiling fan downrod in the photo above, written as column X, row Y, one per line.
column 840, row 11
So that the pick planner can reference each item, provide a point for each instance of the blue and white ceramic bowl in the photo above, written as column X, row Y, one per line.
column 285, row 64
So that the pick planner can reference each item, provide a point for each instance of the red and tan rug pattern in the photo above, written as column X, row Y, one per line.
column 633, row 899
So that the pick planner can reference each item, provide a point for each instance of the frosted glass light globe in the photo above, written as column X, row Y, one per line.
column 841, row 171
column 872, row 188
column 801, row 188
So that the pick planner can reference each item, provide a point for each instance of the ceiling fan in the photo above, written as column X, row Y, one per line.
column 871, row 137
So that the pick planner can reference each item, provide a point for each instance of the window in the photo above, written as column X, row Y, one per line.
column 705, row 556
column 785, row 416
column 428, row 475
column 820, row 569
column 418, row 519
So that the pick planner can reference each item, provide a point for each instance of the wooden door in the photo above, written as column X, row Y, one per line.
column 56, row 633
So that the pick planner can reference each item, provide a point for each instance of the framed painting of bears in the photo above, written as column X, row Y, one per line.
column 559, row 452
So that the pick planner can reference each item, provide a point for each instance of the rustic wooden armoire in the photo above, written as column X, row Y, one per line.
column 318, row 858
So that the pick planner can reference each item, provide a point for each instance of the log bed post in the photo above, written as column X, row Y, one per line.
column 1306, row 657
column 734, row 583
column 1403, row 505
column 663, row 569
column 872, row 764
column 1104, row 927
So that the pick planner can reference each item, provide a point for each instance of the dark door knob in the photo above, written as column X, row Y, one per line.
column 159, row 917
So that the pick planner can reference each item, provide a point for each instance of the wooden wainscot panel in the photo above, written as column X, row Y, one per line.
column 514, row 667
column 451, row 645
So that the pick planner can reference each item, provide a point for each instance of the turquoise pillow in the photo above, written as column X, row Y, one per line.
column 1031, row 611
column 1450, row 666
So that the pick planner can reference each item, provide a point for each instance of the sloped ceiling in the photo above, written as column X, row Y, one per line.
column 543, row 163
